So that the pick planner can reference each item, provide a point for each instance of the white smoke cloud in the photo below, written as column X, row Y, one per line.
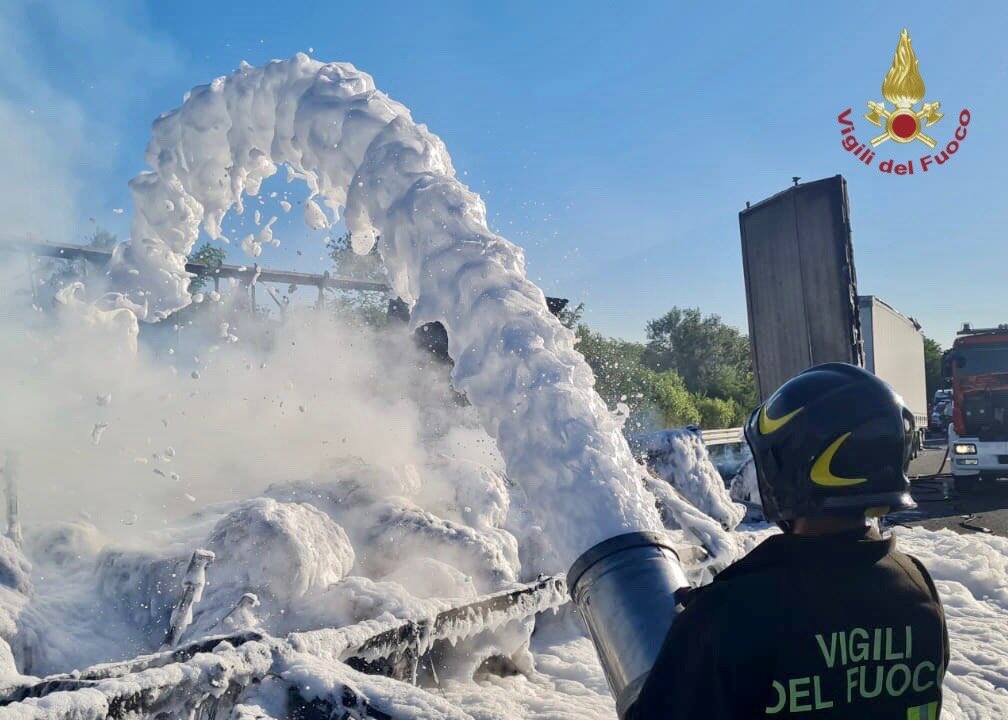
column 60, row 105
column 129, row 457
column 193, row 416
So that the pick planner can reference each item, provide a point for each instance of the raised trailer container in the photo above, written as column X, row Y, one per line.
column 801, row 289
column 894, row 351
column 801, row 292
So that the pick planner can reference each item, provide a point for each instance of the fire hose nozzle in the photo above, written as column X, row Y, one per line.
column 625, row 590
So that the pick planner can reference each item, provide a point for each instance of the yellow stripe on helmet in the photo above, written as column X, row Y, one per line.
column 769, row 425
column 822, row 474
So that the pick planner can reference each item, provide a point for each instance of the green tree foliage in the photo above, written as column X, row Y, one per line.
column 209, row 256
column 719, row 412
column 692, row 370
column 711, row 357
column 619, row 374
column 654, row 398
column 358, row 307
column 570, row 317
column 932, row 367
column 672, row 401
column 348, row 263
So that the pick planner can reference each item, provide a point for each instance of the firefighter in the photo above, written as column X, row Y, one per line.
column 828, row 619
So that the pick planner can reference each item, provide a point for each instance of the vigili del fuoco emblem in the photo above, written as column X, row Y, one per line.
column 903, row 116
column 903, row 87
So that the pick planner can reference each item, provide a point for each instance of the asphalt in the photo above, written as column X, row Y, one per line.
column 983, row 509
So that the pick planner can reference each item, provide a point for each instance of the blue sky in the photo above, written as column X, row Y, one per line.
column 615, row 142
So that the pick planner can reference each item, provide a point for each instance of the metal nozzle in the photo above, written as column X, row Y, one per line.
column 624, row 589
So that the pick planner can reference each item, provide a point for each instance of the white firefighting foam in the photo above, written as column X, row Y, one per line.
column 349, row 543
column 360, row 152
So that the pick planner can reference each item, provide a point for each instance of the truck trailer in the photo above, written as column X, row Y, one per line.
column 894, row 351
column 801, row 289
column 803, row 306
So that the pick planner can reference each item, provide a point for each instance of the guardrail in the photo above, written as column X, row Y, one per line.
column 249, row 275
column 726, row 436
column 649, row 442
column 245, row 273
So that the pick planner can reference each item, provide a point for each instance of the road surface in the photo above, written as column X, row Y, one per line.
column 940, row 506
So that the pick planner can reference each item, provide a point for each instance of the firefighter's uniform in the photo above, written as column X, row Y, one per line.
column 821, row 628
column 814, row 626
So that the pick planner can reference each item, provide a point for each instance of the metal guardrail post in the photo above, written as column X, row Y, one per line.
column 10, row 479
column 320, row 301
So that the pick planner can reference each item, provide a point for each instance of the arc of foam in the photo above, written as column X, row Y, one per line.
column 360, row 151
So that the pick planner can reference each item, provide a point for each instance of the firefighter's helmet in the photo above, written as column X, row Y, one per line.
column 833, row 440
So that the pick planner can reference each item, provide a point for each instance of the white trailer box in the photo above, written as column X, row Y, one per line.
column 894, row 351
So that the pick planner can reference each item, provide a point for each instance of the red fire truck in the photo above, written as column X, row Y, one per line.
column 977, row 365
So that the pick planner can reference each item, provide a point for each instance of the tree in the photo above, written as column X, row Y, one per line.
column 63, row 272
column 102, row 239
column 718, row 413
column 669, row 397
column 619, row 375
column 711, row 357
column 211, row 258
column 932, row 367
column 348, row 263
column 358, row 307
column 654, row 398
column 570, row 317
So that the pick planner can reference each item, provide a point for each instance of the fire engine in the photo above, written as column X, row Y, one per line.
column 977, row 365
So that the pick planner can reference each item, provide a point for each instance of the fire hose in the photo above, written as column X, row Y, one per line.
column 936, row 489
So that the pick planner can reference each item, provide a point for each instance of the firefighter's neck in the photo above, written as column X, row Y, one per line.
column 827, row 525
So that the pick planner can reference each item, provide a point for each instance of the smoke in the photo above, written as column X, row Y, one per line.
column 35, row 115
column 60, row 108
column 212, row 406
column 281, row 443
column 133, row 437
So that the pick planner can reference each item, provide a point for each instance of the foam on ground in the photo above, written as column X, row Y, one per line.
column 333, row 554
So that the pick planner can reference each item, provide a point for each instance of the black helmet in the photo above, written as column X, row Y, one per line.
column 832, row 440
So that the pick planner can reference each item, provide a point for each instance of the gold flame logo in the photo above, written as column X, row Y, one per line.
column 903, row 86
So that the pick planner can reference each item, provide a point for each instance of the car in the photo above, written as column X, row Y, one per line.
column 941, row 416
column 942, row 395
